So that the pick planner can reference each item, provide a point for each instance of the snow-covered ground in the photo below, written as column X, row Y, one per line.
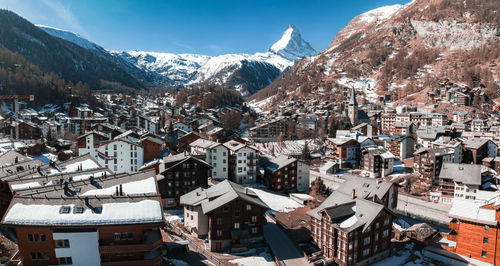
column 277, row 202
column 288, row 147
column 258, row 106
column 261, row 259
column 173, row 215
column 401, row 256
column 368, row 86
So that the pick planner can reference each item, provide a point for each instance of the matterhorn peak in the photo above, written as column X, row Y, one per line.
column 291, row 45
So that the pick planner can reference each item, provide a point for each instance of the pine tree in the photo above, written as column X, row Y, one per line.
column 306, row 153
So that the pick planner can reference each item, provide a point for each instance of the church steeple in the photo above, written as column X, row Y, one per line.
column 353, row 108
column 353, row 101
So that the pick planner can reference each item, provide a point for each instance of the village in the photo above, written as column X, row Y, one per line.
column 147, row 181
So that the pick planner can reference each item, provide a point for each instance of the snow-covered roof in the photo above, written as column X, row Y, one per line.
column 470, row 210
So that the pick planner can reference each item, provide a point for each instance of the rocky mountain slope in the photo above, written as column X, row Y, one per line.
column 402, row 50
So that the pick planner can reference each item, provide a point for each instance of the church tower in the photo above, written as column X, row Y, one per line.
column 353, row 108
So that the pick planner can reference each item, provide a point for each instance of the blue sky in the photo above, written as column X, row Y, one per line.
column 209, row 27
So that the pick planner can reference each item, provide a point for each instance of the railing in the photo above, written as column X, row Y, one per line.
column 145, row 262
column 124, row 248
column 203, row 251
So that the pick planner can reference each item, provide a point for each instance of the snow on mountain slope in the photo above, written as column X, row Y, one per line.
column 69, row 36
column 379, row 14
column 246, row 73
column 291, row 45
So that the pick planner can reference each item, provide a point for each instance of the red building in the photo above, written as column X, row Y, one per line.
column 474, row 230
column 184, row 141
column 281, row 173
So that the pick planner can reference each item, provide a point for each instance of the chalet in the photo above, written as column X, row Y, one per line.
column 229, row 215
column 343, row 149
column 180, row 174
column 184, row 141
column 152, row 147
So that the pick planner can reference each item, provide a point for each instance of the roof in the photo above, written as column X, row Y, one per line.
column 463, row 173
column 203, row 143
column 475, row 143
column 98, row 211
column 470, row 210
column 366, row 210
column 174, row 160
column 219, row 195
column 280, row 162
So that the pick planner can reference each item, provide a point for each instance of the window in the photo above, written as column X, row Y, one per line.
column 386, row 233
column 386, row 221
column 366, row 241
column 236, row 225
column 130, row 236
column 487, row 228
column 237, row 214
column 30, row 238
column 483, row 254
column 78, row 209
column 62, row 243
column 485, row 240
column 117, row 236
column 65, row 209
column 219, row 221
column 65, row 260
column 366, row 252
column 249, row 207
column 254, row 230
column 226, row 209
column 39, row 255
column 254, row 219
column 219, row 232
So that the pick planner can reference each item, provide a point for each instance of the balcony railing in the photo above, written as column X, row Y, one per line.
column 152, row 241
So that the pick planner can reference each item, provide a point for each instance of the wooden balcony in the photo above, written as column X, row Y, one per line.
column 152, row 241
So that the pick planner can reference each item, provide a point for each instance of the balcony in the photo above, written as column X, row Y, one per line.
column 150, row 258
column 152, row 241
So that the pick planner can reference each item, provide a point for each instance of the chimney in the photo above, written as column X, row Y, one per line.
column 105, row 175
column 91, row 179
column 66, row 187
column 61, row 180
column 121, row 190
column 353, row 194
column 117, row 192
column 374, row 198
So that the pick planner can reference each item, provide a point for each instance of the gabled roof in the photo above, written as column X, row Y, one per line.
column 219, row 195
column 464, row 173
column 280, row 162
column 174, row 160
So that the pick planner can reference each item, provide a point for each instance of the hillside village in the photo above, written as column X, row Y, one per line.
column 310, row 182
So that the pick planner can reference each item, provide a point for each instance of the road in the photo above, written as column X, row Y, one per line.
column 283, row 248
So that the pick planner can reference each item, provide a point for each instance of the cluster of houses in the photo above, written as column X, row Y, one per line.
column 88, row 186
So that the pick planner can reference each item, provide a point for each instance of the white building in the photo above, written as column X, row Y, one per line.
column 243, row 162
column 303, row 176
column 123, row 155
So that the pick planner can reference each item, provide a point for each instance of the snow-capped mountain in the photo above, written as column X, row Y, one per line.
column 291, row 45
column 400, row 50
column 69, row 36
column 246, row 73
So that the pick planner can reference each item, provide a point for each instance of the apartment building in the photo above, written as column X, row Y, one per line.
column 459, row 181
column 474, row 228
column 270, row 130
column 121, row 155
column 216, row 155
column 242, row 162
column 353, row 226
column 229, row 215
column 280, row 174
column 377, row 162
column 402, row 146
column 104, row 220
column 428, row 162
